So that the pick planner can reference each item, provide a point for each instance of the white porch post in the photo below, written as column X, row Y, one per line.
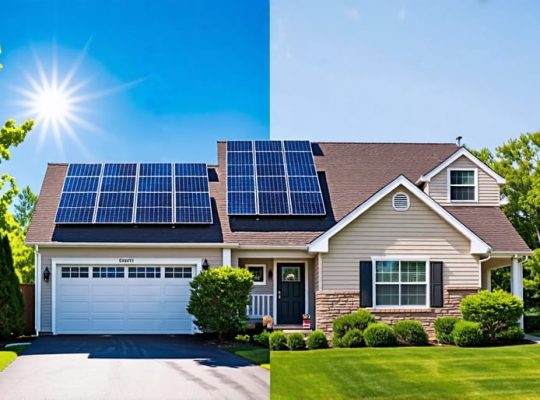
column 517, row 281
column 486, row 279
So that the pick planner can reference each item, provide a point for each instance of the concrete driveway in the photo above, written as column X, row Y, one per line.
column 130, row 367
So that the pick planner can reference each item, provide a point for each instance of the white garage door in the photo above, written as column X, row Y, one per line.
column 118, row 299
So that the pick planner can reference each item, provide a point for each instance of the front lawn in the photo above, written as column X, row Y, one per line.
column 257, row 355
column 7, row 356
column 408, row 373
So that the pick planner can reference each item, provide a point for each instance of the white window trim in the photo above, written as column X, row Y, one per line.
column 263, row 283
column 449, row 185
column 400, row 258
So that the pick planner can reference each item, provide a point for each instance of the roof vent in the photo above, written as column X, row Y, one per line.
column 400, row 202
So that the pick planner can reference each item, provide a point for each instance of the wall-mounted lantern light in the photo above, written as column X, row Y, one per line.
column 270, row 275
column 46, row 274
column 205, row 265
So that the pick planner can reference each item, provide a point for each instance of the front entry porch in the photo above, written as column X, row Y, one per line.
column 282, row 289
column 497, row 261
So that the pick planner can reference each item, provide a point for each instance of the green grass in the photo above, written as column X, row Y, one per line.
column 257, row 355
column 7, row 356
column 511, row 372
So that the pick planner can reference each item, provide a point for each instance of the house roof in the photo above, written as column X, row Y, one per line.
column 349, row 173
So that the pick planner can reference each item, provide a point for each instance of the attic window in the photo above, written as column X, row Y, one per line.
column 400, row 202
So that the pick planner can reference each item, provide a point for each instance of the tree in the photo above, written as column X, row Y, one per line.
column 518, row 162
column 24, row 209
column 219, row 297
column 12, row 135
column 11, row 300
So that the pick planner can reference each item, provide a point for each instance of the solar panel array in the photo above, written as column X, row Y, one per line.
column 272, row 178
column 135, row 193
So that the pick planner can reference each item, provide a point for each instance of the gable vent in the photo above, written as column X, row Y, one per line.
column 400, row 202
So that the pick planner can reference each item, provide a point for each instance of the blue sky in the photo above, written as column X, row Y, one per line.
column 163, row 80
column 167, row 78
column 398, row 70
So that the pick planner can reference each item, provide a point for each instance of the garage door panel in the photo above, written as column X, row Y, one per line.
column 122, row 305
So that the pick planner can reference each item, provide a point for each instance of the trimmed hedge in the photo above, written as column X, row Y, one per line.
column 296, row 341
column 512, row 334
column 317, row 340
column 356, row 320
column 410, row 333
column 353, row 338
column 262, row 339
column 278, row 341
column 467, row 334
column 532, row 322
column 443, row 329
column 379, row 334
column 493, row 311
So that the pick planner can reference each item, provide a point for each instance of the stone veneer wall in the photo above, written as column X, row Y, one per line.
column 333, row 304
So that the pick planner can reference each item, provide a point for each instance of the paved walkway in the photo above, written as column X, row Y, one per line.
column 130, row 367
column 532, row 338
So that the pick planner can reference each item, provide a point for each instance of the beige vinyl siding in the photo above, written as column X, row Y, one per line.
column 260, row 289
column 382, row 231
column 488, row 188
column 214, row 257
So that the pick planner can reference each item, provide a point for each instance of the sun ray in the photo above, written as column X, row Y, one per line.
column 58, row 101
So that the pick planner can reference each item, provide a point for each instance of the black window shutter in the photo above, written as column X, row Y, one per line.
column 366, row 284
column 436, row 284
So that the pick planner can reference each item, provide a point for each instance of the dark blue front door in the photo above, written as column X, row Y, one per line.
column 291, row 293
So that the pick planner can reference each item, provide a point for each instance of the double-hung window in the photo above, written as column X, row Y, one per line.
column 401, row 283
column 462, row 185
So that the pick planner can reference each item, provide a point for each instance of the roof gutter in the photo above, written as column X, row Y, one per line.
column 168, row 245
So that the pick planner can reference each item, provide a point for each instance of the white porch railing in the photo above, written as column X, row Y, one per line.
column 260, row 305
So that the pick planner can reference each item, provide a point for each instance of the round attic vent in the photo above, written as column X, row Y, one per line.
column 400, row 202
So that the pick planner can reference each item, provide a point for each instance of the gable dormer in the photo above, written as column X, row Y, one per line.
column 463, row 180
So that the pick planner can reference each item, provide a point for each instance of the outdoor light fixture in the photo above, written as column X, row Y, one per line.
column 205, row 264
column 46, row 275
column 270, row 275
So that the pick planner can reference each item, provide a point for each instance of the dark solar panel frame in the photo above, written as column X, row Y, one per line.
column 192, row 203
column 78, row 200
column 281, row 170
column 156, row 179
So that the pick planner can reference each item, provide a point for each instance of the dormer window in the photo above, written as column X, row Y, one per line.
column 462, row 185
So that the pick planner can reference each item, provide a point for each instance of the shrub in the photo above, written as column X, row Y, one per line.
column 317, row 340
column 467, row 334
column 410, row 333
column 278, row 341
column 219, row 297
column 494, row 311
column 11, row 301
column 353, row 338
column 443, row 329
column 262, row 339
column 242, row 338
column 379, row 334
column 356, row 320
column 512, row 334
column 296, row 341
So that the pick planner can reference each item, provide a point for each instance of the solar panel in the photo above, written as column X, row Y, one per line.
column 192, row 194
column 135, row 193
column 272, row 177
column 155, row 193
column 117, row 194
column 79, row 194
column 241, row 197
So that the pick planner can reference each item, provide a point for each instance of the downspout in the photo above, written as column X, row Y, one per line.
column 37, row 289
column 482, row 260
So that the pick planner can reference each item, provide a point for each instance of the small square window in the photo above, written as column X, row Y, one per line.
column 259, row 273
column 290, row 274
column 462, row 185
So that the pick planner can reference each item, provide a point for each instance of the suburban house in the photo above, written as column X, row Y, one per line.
column 405, row 230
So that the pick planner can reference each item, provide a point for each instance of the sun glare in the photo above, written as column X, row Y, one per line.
column 58, row 103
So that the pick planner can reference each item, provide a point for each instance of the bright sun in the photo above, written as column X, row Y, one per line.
column 57, row 103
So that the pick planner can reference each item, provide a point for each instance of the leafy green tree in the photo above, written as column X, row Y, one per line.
column 518, row 162
column 24, row 209
column 11, row 135
column 219, row 297
column 11, row 301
